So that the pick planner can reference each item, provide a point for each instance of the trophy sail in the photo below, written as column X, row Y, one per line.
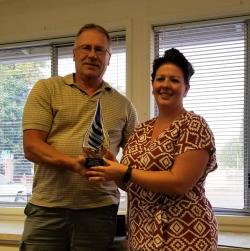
column 96, row 141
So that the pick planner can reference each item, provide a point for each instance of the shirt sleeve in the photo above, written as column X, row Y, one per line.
column 37, row 113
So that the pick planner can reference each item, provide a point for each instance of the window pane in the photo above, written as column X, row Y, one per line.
column 217, row 53
column 65, row 60
column 20, row 69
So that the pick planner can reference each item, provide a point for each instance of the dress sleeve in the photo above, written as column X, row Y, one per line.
column 195, row 134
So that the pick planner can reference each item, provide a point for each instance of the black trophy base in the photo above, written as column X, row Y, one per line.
column 89, row 162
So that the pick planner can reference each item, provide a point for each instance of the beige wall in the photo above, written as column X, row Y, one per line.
column 8, row 248
column 22, row 20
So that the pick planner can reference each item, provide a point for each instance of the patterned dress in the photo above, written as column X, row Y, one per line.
column 159, row 222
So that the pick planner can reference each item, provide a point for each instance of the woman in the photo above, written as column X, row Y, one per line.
column 164, row 167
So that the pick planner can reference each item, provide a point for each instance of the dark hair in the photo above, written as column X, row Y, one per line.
column 175, row 57
column 92, row 26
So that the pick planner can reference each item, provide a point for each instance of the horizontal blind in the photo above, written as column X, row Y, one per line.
column 116, row 71
column 217, row 53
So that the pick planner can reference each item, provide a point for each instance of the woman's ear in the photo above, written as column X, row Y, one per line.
column 186, row 90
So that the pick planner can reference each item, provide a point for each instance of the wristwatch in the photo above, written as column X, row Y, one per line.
column 127, row 175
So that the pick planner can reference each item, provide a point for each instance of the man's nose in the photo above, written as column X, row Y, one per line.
column 92, row 52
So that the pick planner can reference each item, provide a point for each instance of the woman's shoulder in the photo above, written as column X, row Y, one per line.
column 194, row 117
column 195, row 122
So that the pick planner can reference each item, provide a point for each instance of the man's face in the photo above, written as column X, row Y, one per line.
column 91, row 55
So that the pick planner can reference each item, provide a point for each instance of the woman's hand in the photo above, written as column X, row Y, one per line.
column 110, row 156
column 112, row 171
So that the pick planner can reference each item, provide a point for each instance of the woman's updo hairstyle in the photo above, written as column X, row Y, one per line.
column 175, row 57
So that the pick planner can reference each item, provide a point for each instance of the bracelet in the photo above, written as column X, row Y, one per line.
column 127, row 175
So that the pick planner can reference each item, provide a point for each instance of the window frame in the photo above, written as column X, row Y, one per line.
column 227, row 222
column 223, row 212
column 55, row 44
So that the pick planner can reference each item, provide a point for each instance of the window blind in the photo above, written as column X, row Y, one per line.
column 217, row 92
column 21, row 66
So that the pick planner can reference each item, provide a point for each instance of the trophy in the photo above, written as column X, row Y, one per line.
column 96, row 140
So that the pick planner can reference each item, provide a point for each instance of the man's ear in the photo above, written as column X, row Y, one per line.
column 109, row 58
column 74, row 54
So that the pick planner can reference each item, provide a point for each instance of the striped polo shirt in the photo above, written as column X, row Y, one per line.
column 57, row 106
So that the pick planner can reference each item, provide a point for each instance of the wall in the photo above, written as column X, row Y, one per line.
column 8, row 248
column 23, row 20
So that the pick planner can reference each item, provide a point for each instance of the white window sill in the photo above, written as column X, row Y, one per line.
column 234, row 240
column 234, row 231
column 10, row 234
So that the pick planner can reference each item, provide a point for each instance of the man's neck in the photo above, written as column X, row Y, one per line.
column 89, row 86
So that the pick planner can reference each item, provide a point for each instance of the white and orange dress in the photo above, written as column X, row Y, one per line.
column 160, row 222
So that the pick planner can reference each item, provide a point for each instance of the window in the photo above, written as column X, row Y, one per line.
column 218, row 92
column 21, row 66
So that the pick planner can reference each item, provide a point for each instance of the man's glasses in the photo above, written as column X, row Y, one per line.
column 86, row 49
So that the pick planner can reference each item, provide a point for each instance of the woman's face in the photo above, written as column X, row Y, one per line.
column 169, row 87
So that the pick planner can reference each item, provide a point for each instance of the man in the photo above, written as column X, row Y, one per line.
column 66, row 211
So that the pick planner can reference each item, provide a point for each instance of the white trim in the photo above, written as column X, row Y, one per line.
column 228, row 223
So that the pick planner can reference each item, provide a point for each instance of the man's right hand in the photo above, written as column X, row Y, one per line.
column 78, row 166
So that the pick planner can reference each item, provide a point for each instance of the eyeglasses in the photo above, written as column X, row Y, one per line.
column 86, row 49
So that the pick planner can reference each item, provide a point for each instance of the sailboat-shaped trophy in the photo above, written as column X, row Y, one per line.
column 96, row 140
